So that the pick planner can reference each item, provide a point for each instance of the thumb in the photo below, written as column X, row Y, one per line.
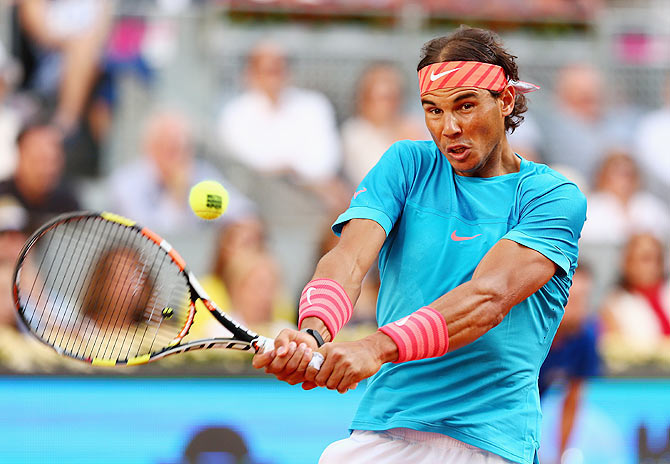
column 261, row 360
column 281, row 343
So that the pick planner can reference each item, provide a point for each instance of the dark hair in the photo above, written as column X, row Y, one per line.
column 473, row 44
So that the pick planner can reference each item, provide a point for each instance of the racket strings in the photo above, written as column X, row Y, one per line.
column 110, row 319
column 71, row 319
column 150, row 319
column 103, row 290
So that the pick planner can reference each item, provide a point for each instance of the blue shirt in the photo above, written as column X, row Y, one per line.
column 575, row 357
column 439, row 226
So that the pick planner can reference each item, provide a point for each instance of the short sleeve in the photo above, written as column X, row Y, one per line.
column 551, row 222
column 382, row 193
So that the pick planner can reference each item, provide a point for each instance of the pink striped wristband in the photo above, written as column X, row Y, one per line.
column 327, row 300
column 422, row 334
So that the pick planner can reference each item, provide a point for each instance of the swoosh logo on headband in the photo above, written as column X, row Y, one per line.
column 434, row 77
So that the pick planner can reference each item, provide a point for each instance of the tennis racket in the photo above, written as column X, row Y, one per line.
column 99, row 288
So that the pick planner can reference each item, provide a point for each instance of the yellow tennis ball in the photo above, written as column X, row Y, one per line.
column 208, row 199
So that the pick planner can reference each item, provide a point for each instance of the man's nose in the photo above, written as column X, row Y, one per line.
column 451, row 127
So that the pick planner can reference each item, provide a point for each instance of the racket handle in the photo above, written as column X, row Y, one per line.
column 267, row 344
column 316, row 361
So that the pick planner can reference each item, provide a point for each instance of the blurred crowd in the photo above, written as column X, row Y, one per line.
column 283, row 153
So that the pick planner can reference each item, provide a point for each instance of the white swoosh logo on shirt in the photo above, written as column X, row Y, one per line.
column 434, row 77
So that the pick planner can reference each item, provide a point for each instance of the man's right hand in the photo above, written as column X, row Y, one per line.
column 290, row 357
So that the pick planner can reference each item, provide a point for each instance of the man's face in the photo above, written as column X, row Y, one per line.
column 643, row 261
column 169, row 146
column 468, row 126
column 268, row 71
column 41, row 161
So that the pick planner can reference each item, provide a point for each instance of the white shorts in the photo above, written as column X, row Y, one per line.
column 404, row 446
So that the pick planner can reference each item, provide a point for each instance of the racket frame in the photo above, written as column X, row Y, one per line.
column 243, row 339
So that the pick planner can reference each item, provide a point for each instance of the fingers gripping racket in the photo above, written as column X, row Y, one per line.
column 99, row 288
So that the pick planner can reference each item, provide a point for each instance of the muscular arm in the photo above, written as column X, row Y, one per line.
column 508, row 274
column 349, row 262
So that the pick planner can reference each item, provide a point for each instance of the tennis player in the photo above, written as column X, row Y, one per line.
column 477, row 247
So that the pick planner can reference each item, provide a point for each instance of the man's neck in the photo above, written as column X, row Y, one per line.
column 509, row 161
column 501, row 161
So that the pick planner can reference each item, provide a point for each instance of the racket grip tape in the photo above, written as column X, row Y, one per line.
column 267, row 344
column 316, row 361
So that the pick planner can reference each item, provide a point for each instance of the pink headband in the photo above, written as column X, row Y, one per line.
column 453, row 74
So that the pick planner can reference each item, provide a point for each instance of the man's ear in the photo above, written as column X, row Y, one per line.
column 506, row 100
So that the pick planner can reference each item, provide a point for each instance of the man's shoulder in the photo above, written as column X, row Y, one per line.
column 245, row 101
column 65, row 197
column 131, row 176
column 539, row 179
column 418, row 148
column 655, row 118
column 306, row 100
column 421, row 154
column 138, row 167
column 299, row 93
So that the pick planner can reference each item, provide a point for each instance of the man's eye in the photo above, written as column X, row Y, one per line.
column 467, row 106
column 435, row 111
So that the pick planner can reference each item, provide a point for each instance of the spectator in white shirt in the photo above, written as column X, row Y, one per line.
column 619, row 208
column 379, row 121
column 277, row 129
column 653, row 146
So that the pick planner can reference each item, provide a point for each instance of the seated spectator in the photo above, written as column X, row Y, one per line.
column 37, row 183
column 578, row 131
column 280, row 130
column 636, row 315
column 10, row 118
column 619, row 207
column 379, row 121
column 573, row 355
column 245, row 282
column 154, row 189
column 67, row 37
column 653, row 140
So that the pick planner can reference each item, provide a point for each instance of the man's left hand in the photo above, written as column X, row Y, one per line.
column 347, row 363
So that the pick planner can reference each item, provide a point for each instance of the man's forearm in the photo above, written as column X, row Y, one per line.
column 470, row 310
column 339, row 267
